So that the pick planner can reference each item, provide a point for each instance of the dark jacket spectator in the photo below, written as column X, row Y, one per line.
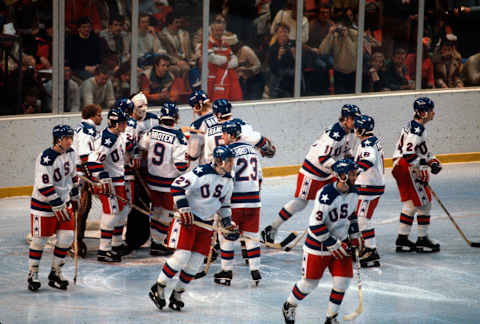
column 281, row 62
column 396, row 77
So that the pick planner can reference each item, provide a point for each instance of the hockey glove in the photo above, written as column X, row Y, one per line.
column 435, row 166
column 268, row 150
column 186, row 217
column 233, row 233
column 338, row 250
column 62, row 212
column 103, row 187
column 357, row 243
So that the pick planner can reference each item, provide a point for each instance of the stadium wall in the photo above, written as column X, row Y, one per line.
column 291, row 124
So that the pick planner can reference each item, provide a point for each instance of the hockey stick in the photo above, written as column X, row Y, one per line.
column 204, row 272
column 280, row 245
column 472, row 244
column 289, row 248
column 356, row 271
column 75, row 246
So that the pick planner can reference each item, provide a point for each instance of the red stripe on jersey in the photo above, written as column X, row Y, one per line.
column 245, row 197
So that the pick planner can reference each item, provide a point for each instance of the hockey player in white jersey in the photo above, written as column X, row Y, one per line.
column 412, row 161
column 84, row 143
column 55, row 195
column 145, row 120
column 332, row 234
column 370, row 185
column 164, row 148
column 198, row 195
column 333, row 145
column 107, row 164
column 245, row 203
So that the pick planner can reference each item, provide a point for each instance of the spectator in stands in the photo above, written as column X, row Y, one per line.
column 374, row 74
column 249, row 71
column 98, row 89
column 32, row 85
column 148, row 43
column 341, row 43
column 114, row 41
column 288, row 16
column 428, row 80
column 240, row 16
column 121, row 81
column 76, row 10
column 71, row 91
column 83, row 50
column 471, row 71
column 397, row 23
column 156, row 82
column 396, row 77
column 447, row 63
column 281, row 62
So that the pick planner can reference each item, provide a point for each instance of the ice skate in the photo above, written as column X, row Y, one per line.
column 425, row 245
column 56, row 280
column 256, row 276
column 157, row 249
column 332, row 319
column 176, row 302
column 223, row 277
column 288, row 311
column 33, row 281
column 404, row 244
column 369, row 258
column 268, row 234
column 157, row 295
column 122, row 250
column 108, row 256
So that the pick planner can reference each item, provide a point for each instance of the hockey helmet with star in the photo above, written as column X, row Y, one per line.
column 60, row 131
column 197, row 97
column 168, row 110
column 349, row 110
column 344, row 166
column 364, row 124
column 232, row 128
column 222, row 152
column 126, row 105
column 115, row 116
column 222, row 108
column 423, row 104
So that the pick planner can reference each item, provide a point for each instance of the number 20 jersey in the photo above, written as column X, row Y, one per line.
column 412, row 144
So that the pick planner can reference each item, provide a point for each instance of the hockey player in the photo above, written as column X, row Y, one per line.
column 107, row 164
column 198, row 195
column 145, row 120
column 412, row 161
column 55, row 194
column 164, row 148
column 332, row 233
column 83, row 144
column 333, row 145
column 222, row 109
column 245, row 203
column 370, row 186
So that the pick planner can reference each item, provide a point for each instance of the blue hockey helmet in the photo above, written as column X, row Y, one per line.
column 60, row 131
column 344, row 167
column 126, row 105
column 222, row 107
column 197, row 97
column 349, row 110
column 232, row 128
column 116, row 115
column 222, row 152
column 364, row 124
column 423, row 104
column 168, row 110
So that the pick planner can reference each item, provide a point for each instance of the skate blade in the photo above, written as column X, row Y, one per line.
column 256, row 283
column 427, row 250
column 175, row 307
column 57, row 286
column 160, row 304
column 224, row 282
column 33, row 287
column 404, row 249
column 371, row 264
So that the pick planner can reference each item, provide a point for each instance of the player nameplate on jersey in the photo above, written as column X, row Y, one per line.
column 215, row 130
column 244, row 150
column 164, row 137
column 211, row 121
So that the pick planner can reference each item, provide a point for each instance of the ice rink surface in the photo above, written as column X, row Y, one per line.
column 408, row 288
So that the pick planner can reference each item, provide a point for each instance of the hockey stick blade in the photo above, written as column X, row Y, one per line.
column 359, row 309
column 475, row 244
column 357, row 312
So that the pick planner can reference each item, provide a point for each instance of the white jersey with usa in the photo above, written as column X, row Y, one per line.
column 330, row 147
column 205, row 191
column 247, row 175
column 370, row 182
column 166, row 148
column 145, row 125
column 332, row 216
column 84, row 141
column 201, row 144
column 53, row 180
column 412, row 144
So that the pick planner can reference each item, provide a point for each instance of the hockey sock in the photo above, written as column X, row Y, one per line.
column 107, row 225
column 301, row 290
column 117, row 235
column 423, row 224
column 35, row 252
column 369, row 238
column 64, row 241
column 159, row 224
column 253, row 251
column 226, row 253
column 293, row 206
column 174, row 264
column 340, row 285
column 188, row 273
column 406, row 217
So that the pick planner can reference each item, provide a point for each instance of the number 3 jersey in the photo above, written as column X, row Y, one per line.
column 247, row 176
column 205, row 191
column 412, row 144
column 54, row 174
column 166, row 148
column 330, row 147
column 370, row 182
column 333, row 218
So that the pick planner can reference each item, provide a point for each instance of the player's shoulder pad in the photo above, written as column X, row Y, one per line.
column 48, row 157
column 328, row 194
column 108, row 138
column 89, row 129
column 416, row 128
column 132, row 122
column 371, row 141
column 150, row 115
column 204, row 169
column 337, row 132
column 197, row 123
